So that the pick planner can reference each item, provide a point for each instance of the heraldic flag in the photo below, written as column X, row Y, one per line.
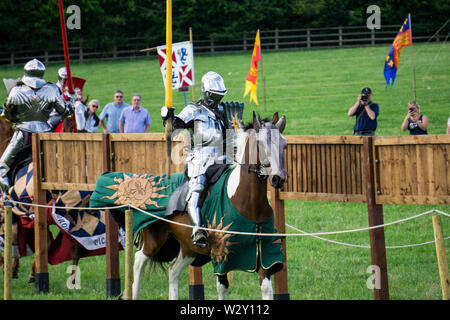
column 252, row 77
column 402, row 39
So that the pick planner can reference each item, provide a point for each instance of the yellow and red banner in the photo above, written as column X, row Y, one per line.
column 252, row 76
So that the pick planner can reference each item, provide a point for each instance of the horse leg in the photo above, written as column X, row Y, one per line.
column 31, row 276
column 176, row 267
column 265, row 284
column 222, row 286
column 15, row 268
column 140, row 261
column 153, row 238
column 75, row 252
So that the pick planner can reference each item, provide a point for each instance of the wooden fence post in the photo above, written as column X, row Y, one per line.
column 40, row 221
column 441, row 257
column 112, row 235
column 128, row 294
column 340, row 36
column 308, row 38
column 8, row 262
column 375, row 213
column 80, row 51
column 277, row 46
column 280, row 278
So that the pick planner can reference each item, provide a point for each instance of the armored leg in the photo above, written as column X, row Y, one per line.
column 196, row 187
column 16, row 143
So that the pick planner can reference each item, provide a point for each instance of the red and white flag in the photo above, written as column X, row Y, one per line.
column 182, row 64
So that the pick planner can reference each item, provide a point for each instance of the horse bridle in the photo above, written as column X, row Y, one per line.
column 259, row 168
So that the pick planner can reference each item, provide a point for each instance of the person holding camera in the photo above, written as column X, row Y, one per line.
column 415, row 122
column 366, row 113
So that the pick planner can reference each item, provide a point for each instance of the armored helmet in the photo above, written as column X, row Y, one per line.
column 62, row 73
column 34, row 74
column 212, row 89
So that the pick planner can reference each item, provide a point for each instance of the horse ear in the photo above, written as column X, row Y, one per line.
column 275, row 118
column 281, row 124
column 256, row 122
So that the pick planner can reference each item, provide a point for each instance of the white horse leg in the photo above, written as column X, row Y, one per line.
column 222, row 286
column 176, row 267
column 266, row 289
column 140, row 260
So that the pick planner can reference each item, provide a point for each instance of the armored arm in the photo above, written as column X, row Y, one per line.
column 184, row 120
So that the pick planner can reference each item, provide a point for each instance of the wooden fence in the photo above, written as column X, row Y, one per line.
column 372, row 170
column 278, row 39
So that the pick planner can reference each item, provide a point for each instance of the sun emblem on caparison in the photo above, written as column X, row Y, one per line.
column 218, row 241
column 137, row 190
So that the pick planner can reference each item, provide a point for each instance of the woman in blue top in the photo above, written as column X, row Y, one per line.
column 415, row 122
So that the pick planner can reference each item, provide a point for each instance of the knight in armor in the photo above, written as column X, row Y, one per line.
column 28, row 106
column 55, row 116
column 206, row 128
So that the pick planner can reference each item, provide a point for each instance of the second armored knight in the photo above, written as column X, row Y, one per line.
column 28, row 106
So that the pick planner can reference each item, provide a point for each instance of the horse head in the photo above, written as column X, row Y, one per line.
column 270, row 145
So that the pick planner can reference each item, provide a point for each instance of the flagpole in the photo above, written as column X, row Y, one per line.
column 190, row 40
column 169, row 91
column 262, row 74
column 413, row 64
column 65, row 46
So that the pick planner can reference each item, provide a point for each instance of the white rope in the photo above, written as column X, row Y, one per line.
column 239, row 232
column 364, row 246
column 65, row 208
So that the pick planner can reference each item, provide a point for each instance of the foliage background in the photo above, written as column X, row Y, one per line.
column 105, row 22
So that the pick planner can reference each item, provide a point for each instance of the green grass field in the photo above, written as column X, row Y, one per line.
column 314, row 89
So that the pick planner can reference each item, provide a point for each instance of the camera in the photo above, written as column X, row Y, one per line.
column 411, row 109
column 364, row 97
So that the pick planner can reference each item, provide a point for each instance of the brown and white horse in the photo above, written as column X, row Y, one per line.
column 247, row 190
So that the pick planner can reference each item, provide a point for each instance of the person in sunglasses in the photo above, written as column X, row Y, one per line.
column 112, row 112
column 92, row 119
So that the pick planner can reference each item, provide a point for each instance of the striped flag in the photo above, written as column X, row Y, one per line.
column 402, row 39
column 252, row 76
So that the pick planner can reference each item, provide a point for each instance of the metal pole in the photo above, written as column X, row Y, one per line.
column 413, row 64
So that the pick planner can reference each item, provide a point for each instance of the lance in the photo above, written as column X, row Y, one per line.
column 169, row 92
column 65, row 46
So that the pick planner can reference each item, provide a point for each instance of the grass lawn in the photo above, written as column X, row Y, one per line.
column 314, row 89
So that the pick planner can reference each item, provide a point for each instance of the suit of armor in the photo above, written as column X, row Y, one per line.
column 28, row 106
column 207, row 133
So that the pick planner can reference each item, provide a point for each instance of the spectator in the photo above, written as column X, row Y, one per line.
column 112, row 112
column 135, row 119
column 92, row 119
column 415, row 122
column 366, row 113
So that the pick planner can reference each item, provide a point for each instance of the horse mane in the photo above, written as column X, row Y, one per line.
column 242, row 137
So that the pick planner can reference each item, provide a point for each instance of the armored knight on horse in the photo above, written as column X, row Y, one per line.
column 29, row 105
column 207, row 128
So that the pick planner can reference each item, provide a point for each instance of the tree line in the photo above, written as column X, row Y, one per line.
column 34, row 24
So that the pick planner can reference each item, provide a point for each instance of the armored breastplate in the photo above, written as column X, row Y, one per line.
column 30, row 109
